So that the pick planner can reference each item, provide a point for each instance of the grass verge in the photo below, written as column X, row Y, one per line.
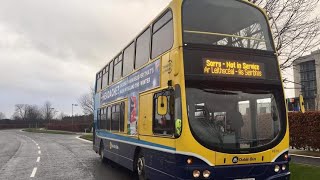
column 87, row 137
column 300, row 172
column 37, row 130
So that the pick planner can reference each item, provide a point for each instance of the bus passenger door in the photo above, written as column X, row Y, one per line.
column 145, row 115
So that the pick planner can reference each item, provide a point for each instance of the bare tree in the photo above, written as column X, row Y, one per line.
column 2, row 115
column 86, row 102
column 296, row 30
column 48, row 111
column 33, row 113
column 27, row 112
column 20, row 112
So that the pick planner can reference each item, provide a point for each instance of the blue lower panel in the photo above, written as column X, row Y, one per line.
column 160, row 165
column 169, row 165
column 121, row 153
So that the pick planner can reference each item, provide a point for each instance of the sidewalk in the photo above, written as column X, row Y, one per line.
column 304, row 152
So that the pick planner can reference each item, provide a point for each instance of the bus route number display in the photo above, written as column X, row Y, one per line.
column 233, row 68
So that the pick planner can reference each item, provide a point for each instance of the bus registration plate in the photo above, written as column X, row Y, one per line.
column 246, row 179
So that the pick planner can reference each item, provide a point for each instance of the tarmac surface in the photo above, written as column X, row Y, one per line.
column 300, row 159
column 25, row 155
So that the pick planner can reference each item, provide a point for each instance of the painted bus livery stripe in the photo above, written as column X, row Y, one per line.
column 136, row 142
column 133, row 141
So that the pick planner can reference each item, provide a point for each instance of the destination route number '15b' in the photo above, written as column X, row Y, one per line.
column 196, row 95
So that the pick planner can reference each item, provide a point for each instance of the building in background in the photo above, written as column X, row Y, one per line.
column 307, row 79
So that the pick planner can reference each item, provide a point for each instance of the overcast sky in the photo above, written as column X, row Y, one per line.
column 51, row 50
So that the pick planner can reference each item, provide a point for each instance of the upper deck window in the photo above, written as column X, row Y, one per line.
column 117, row 71
column 98, row 82
column 225, row 23
column 143, row 48
column 105, row 76
column 128, row 59
column 162, row 35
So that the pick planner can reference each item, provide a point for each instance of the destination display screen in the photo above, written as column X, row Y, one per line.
column 233, row 68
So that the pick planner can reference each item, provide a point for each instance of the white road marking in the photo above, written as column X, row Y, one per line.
column 37, row 144
column 38, row 147
column 34, row 172
column 314, row 157
column 78, row 137
column 38, row 159
column 39, row 152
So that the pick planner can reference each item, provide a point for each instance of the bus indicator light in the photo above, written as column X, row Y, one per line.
column 284, row 167
column 189, row 161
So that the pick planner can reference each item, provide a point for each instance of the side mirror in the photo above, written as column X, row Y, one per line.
column 162, row 105
column 302, row 108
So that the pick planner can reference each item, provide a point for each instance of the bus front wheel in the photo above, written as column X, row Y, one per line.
column 141, row 167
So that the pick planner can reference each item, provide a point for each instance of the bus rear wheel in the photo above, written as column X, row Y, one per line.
column 102, row 158
column 140, row 167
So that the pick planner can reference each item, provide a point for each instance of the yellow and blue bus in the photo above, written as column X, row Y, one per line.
column 197, row 94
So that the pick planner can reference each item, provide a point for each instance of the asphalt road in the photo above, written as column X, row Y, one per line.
column 305, row 160
column 25, row 155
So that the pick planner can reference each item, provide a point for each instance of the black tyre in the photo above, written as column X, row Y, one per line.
column 140, row 167
column 101, row 152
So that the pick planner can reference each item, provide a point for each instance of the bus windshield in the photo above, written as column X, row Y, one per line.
column 225, row 23
column 233, row 120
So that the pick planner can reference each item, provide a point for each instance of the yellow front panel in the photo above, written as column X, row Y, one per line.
column 165, row 141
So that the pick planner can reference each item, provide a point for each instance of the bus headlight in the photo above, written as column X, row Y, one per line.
column 284, row 167
column 196, row 173
column 206, row 173
column 277, row 168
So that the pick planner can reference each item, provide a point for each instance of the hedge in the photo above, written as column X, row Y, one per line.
column 304, row 130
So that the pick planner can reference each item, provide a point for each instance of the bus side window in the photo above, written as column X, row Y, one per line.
column 98, row 83
column 128, row 59
column 103, row 118
column 105, row 76
column 99, row 118
column 108, row 110
column 142, row 49
column 122, row 112
column 115, row 117
column 117, row 71
column 163, row 124
column 111, row 72
column 162, row 35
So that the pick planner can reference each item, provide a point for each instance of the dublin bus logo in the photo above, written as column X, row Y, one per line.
column 235, row 159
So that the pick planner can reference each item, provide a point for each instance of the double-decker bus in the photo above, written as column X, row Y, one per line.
column 196, row 95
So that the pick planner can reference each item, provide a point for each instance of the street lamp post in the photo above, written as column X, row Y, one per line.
column 72, row 114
